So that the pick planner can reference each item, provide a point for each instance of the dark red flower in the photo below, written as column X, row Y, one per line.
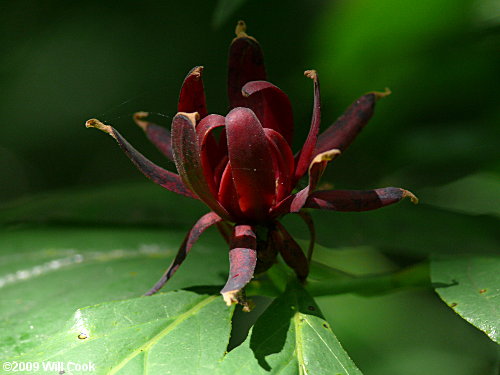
column 247, row 174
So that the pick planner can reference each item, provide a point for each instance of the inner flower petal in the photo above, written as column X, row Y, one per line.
column 272, row 107
column 188, row 160
column 251, row 163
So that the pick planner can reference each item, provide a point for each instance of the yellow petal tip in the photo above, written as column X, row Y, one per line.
column 196, row 72
column 326, row 156
column 193, row 116
column 382, row 94
column 312, row 74
column 238, row 297
column 139, row 118
column 409, row 194
column 241, row 28
column 94, row 123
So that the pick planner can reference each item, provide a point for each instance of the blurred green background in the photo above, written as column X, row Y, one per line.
column 62, row 63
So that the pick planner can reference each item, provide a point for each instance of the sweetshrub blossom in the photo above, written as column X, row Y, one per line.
column 246, row 172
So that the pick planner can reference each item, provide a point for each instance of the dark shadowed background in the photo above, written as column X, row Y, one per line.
column 64, row 62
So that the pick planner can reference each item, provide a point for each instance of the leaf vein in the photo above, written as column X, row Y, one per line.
column 324, row 342
column 148, row 344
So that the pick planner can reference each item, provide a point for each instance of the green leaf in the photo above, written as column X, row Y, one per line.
column 46, row 274
column 178, row 333
column 475, row 194
column 471, row 287
column 403, row 333
column 291, row 337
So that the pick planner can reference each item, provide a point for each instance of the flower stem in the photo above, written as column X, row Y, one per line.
column 416, row 276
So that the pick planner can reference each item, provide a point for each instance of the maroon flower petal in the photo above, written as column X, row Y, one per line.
column 343, row 131
column 219, row 170
column 242, row 261
column 246, row 63
column 158, row 175
column 283, row 163
column 192, row 96
column 283, row 207
column 201, row 225
column 318, row 166
column 316, row 169
column 305, row 155
column 227, row 193
column 291, row 252
column 357, row 200
column 158, row 135
column 251, row 163
column 272, row 107
column 209, row 149
column 188, row 160
column 205, row 126
column 308, row 220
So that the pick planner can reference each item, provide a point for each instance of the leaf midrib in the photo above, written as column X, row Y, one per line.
column 299, row 319
column 326, row 344
column 298, row 341
column 148, row 344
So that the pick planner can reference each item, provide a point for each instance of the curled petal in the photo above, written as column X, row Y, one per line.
column 201, row 225
column 158, row 175
column 305, row 156
column 272, row 107
column 242, row 261
column 209, row 149
column 357, row 200
column 158, row 135
column 283, row 207
column 284, row 163
column 291, row 252
column 316, row 169
column 318, row 166
column 219, row 170
column 246, row 63
column 343, row 131
column 227, row 193
column 192, row 96
column 188, row 160
column 298, row 200
column 207, row 125
column 251, row 163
